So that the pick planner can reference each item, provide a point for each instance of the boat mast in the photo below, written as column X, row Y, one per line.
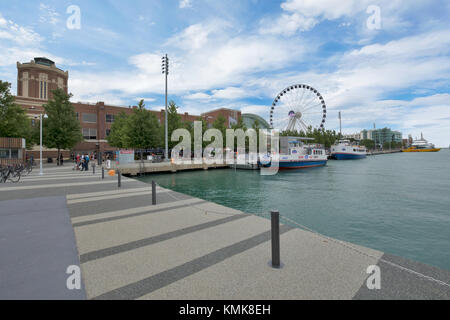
column 340, row 125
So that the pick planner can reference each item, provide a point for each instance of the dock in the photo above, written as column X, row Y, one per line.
column 138, row 167
column 181, row 248
column 377, row 152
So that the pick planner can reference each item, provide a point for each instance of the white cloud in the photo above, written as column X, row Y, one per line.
column 230, row 93
column 19, row 35
column 192, row 38
column 185, row 4
column 303, row 15
column 48, row 15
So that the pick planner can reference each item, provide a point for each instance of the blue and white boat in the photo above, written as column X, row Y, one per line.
column 345, row 150
column 299, row 155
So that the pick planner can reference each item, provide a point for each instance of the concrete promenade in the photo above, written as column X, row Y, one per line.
column 181, row 248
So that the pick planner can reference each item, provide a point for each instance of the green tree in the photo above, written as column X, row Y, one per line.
column 61, row 128
column 369, row 144
column 117, row 135
column 173, row 122
column 142, row 130
column 14, row 122
column 219, row 124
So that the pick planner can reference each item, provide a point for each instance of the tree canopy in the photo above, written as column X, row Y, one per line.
column 14, row 122
column 142, row 130
column 324, row 137
column 61, row 128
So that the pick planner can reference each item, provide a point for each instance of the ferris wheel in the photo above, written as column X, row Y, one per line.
column 298, row 107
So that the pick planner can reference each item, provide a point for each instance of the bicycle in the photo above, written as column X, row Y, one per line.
column 10, row 173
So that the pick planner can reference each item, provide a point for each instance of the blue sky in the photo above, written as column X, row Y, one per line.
column 240, row 54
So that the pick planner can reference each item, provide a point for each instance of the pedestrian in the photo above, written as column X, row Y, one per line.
column 78, row 161
column 86, row 159
column 61, row 159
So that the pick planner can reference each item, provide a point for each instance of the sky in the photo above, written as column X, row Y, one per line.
column 382, row 62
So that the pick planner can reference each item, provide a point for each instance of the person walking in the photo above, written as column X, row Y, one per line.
column 86, row 159
column 78, row 161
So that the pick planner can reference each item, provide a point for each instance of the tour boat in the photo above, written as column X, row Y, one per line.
column 345, row 150
column 299, row 156
column 421, row 145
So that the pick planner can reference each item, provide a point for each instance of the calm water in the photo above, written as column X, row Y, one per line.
column 397, row 203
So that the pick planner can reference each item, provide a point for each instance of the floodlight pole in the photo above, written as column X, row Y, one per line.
column 41, row 172
column 165, row 70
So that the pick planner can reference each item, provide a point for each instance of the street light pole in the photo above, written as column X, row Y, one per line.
column 165, row 70
column 41, row 172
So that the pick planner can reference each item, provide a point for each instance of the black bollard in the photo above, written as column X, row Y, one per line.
column 118, row 178
column 93, row 168
column 103, row 173
column 153, row 193
column 275, row 219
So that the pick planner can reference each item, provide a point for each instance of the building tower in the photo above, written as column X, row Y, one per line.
column 39, row 77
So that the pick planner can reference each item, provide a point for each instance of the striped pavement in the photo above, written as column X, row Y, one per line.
column 188, row 248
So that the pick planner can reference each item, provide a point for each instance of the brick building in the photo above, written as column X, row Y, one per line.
column 36, row 80
column 231, row 116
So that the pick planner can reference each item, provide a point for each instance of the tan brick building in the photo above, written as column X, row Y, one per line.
column 36, row 80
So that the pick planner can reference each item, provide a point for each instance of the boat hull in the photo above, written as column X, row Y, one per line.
column 422, row 150
column 347, row 156
column 293, row 165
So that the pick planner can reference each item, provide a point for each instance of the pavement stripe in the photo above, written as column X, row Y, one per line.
column 59, row 185
column 104, row 193
column 160, row 280
column 114, row 196
column 61, row 177
column 136, row 212
column 98, row 254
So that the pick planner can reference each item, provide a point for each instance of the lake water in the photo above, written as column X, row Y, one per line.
column 397, row 203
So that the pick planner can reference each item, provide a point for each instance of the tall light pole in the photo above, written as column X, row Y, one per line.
column 41, row 172
column 165, row 70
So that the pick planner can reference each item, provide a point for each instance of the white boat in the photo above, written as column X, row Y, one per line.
column 297, row 155
column 345, row 150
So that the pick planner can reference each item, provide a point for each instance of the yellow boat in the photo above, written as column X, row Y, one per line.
column 421, row 145
column 413, row 149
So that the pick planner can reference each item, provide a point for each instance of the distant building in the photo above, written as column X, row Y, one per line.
column 231, row 116
column 250, row 119
column 381, row 136
column 354, row 136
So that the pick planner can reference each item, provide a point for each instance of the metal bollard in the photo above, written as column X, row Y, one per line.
column 275, row 219
column 93, row 168
column 118, row 178
column 103, row 173
column 153, row 193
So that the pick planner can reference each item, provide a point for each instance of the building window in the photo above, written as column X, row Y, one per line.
column 89, row 134
column 45, row 90
column 110, row 118
column 108, row 131
column 4, row 153
column 14, row 153
column 89, row 117
column 78, row 117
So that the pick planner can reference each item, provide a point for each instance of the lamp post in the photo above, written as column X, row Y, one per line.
column 41, row 172
column 165, row 71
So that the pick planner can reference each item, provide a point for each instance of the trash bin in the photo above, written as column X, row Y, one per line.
column 49, row 160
